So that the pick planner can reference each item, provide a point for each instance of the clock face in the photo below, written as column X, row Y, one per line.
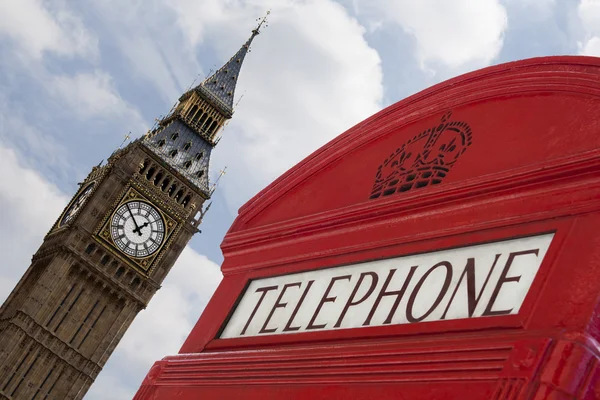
column 77, row 204
column 137, row 228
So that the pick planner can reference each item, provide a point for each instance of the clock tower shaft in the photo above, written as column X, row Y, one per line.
column 110, row 250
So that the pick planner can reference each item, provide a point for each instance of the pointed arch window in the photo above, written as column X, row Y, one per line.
column 213, row 127
column 175, row 136
column 178, row 195
column 187, row 164
column 198, row 115
column 157, row 178
column 173, row 153
column 200, row 173
column 201, row 121
column 135, row 283
column 90, row 248
column 187, row 146
column 207, row 123
column 199, row 156
column 192, row 111
column 161, row 143
column 165, row 184
column 150, row 173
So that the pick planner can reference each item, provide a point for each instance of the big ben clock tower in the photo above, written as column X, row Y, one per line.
column 112, row 247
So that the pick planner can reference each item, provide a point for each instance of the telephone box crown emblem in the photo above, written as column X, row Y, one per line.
column 423, row 160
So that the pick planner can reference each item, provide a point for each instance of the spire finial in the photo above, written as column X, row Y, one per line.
column 261, row 21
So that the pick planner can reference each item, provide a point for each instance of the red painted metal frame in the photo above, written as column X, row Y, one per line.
column 533, row 167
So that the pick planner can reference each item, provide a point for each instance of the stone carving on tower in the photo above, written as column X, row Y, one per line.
column 110, row 250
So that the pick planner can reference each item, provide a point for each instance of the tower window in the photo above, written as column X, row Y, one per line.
column 199, row 156
column 135, row 283
column 197, row 116
column 201, row 120
column 120, row 272
column 105, row 260
column 207, row 123
column 213, row 127
column 90, row 248
column 192, row 111
column 187, row 146
column 186, row 200
column 172, row 189
column 158, row 178
column 178, row 195
column 161, row 143
column 175, row 136
column 173, row 153
column 150, row 173
column 200, row 173
column 165, row 184
column 187, row 164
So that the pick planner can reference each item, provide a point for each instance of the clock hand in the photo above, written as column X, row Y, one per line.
column 137, row 228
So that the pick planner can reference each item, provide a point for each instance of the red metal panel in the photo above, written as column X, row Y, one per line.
column 531, row 166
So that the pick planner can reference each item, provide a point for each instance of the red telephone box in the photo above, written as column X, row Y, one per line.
column 447, row 247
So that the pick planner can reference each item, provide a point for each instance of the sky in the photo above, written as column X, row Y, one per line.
column 76, row 77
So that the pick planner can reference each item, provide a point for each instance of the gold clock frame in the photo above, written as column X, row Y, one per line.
column 142, row 264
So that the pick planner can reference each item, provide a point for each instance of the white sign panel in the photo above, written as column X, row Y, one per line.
column 470, row 282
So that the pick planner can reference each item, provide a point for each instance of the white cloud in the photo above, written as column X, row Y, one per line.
column 195, row 18
column 453, row 33
column 41, row 27
column 29, row 205
column 540, row 4
column 17, row 133
column 92, row 95
column 591, row 47
column 589, row 14
column 146, row 35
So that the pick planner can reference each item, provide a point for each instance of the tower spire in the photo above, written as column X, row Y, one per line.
column 219, row 87
column 185, row 137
